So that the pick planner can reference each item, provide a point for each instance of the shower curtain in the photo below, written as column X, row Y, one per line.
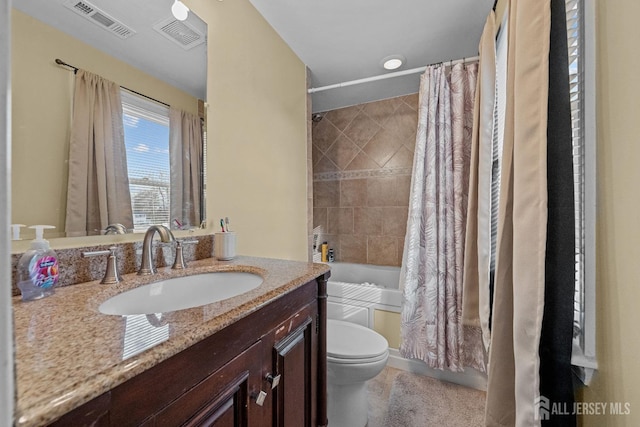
column 432, row 267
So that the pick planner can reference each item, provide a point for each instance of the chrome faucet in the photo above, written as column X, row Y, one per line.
column 116, row 228
column 147, row 265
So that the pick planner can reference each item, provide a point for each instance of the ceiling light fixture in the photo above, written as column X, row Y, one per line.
column 392, row 62
column 180, row 10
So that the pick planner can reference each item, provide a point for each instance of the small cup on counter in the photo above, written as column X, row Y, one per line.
column 224, row 245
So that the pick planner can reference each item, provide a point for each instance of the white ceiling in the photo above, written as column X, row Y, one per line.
column 343, row 40
column 339, row 40
column 147, row 49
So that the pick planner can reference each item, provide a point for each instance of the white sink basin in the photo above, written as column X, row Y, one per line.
column 180, row 293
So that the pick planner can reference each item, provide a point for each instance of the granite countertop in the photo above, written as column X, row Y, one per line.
column 68, row 353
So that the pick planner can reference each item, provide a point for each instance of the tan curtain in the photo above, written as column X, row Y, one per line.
column 185, row 147
column 431, row 274
column 476, row 305
column 98, row 187
column 513, row 384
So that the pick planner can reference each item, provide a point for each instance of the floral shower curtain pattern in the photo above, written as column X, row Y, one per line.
column 432, row 268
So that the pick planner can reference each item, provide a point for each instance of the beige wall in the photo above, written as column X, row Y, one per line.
column 618, row 230
column 41, row 114
column 257, row 132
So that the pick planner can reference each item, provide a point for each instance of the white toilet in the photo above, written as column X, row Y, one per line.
column 355, row 354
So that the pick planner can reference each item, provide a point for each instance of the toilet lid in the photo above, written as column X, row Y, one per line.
column 347, row 340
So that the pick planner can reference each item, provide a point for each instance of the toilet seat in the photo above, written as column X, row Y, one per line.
column 350, row 343
column 343, row 361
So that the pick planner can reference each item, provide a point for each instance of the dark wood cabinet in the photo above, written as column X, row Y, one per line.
column 92, row 414
column 262, row 370
column 222, row 399
column 294, row 364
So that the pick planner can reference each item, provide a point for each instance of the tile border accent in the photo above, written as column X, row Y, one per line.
column 358, row 174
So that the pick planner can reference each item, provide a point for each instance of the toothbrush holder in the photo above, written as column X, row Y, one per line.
column 224, row 245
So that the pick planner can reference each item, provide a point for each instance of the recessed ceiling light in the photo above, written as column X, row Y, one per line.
column 392, row 62
column 180, row 10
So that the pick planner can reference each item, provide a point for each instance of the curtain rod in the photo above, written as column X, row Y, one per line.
column 388, row 75
column 75, row 70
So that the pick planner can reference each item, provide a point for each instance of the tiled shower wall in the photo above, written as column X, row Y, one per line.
column 362, row 160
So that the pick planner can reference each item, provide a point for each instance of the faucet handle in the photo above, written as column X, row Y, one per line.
column 179, row 263
column 111, row 274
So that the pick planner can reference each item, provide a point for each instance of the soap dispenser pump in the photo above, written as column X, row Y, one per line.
column 38, row 268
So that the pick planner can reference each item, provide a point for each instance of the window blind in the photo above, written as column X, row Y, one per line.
column 499, row 114
column 575, row 38
column 146, row 134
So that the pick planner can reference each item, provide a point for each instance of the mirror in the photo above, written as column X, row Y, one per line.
column 138, row 45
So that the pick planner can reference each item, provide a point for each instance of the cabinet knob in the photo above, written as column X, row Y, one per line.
column 274, row 380
column 260, row 398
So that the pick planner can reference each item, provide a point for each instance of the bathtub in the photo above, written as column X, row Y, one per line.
column 364, row 294
column 368, row 295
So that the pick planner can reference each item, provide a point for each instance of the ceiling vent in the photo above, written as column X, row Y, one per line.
column 100, row 18
column 182, row 33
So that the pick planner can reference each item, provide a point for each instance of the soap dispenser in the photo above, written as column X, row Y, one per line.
column 38, row 268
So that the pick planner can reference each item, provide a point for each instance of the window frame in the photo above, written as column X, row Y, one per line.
column 156, row 112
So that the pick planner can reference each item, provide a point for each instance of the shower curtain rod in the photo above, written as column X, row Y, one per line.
column 388, row 75
column 75, row 70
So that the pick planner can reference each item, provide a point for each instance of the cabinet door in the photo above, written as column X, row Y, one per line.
column 294, row 360
column 223, row 399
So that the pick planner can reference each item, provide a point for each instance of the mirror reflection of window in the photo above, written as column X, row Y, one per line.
column 143, row 332
column 146, row 134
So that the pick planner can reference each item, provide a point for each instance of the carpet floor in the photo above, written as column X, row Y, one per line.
column 402, row 399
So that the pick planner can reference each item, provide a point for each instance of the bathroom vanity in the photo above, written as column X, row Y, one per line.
column 255, row 359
